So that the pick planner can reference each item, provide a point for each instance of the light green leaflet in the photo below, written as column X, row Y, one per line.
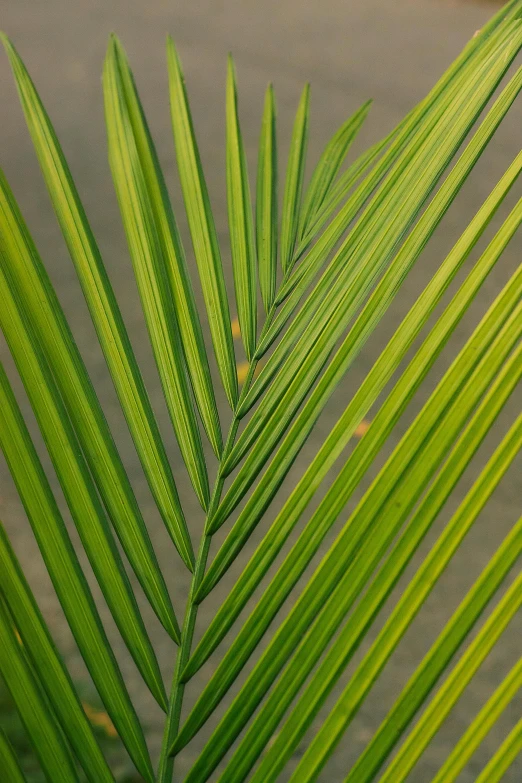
column 360, row 404
column 152, row 280
column 347, row 242
column 76, row 482
column 339, row 191
column 294, row 181
column 481, row 725
column 370, row 315
column 403, row 152
column 240, row 221
column 429, row 670
column 66, row 574
column 445, row 647
column 103, row 306
column 48, row 665
column 8, row 761
column 478, row 47
column 334, row 307
column 341, row 652
column 174, row 256
column 40, row 724
column 266, row 203
column 328, row 167
column 505, row 756
column 42, row 311
column 469, row 376
column 448, row 695
column 202, row 227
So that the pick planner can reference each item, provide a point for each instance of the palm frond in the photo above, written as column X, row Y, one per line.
column 508, row 752
column 328, row 167
column 480, row 726
column 39, row 722
column 266, row 203
column 240, row 221
column 102, row 304
column 327, row 277
column 294, row 181
column 151, row 277
column 202, row 227
column 9, row 761
column 44, row 340
column 38, row 644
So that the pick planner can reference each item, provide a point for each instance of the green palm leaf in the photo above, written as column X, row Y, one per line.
column 354, row 413
column 202, row 227
column 39, row 722
column 505, row 756
column 151, row 276
column 103, row 306
column 65, row 572
column 176, row 265
column 240, row 221
column 266, row 203
column 77, row 485
column 327, row 168
column 38, row 305
column 421, row 584
column 377, row 302
column 463, row 385
column 51, row 672
column 294, row 181
column 347, row 243
column 480, row 726
column 9, row 761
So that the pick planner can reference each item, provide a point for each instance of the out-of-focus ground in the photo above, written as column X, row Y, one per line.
column 392, row 52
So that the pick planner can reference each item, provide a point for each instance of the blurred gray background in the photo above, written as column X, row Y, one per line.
column 392, row 52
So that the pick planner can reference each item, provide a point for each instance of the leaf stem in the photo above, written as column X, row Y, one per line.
column 166, row 762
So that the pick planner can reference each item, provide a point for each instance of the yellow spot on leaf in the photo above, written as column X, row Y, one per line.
column 362, row 429
column 100, row 718
column 242, row 371
column 236, row 331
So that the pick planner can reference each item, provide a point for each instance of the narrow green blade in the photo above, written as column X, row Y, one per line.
column 341, row 652
column 76, row 481
column 294, row 181
column 476, row 49
column 328, row 167
column 427, row 675
column 151, row 276
column 365, row 397
column 240, row 221
column 39, row 723
column 455, row 397
column 174, row 256
column 66, row 575
column 51, row 672
column 401, row 153
column 102, row 304
column 441, row 652
column 343, row 287
column 480, row 726
column 450, row 692
column 39, row 305
column 505, row 756
column 340, row 190
column 202, row 227
column 8, row 761
column 266, row 203
column 366, row 322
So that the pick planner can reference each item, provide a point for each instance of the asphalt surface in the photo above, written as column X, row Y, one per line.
column 390, row 52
